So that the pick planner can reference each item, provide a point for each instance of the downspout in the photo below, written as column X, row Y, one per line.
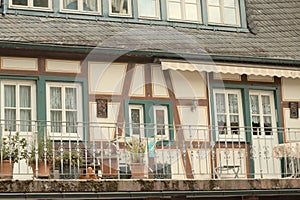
column 4, row 7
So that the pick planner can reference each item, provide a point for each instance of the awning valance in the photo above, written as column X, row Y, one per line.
column 288, row 72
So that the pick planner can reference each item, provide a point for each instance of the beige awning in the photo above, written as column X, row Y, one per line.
column 288, row 72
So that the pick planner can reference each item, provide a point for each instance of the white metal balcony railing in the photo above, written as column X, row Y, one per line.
column 101, row 151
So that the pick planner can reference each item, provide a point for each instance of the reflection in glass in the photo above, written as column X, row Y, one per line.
column 222, row 125
column 20, row 2
column 120, row 6
column 135, row 120
column 160, row 122
column 40, row 3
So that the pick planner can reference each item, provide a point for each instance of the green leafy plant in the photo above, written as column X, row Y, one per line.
column 14, row 148
column 136, row 149
column 42, row 149
column 68, row 158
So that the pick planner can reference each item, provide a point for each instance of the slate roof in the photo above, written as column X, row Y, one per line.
column 274, row 27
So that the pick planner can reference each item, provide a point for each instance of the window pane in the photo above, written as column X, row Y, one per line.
column 10, row 96
column 233, row 103
column 55, row 98
column 266, row 105
column 40, row 3
column 254, row 104
column 220, row 103
column 160, row 122
column 256, row 125
column 147, row 8
column 234, row 124
column 222, row 125
column 71, row 122
column 20, row 2
column 25, row 117
column 268, row 125
column 70, row 98
column 191, row 12
column 120, row 6
column 90, row 5
column 214, row 14
column 175, row 10
column 25, row 96
column 10, row 119
column 71, row 4
column 56, row 118
column 135, row 120
column 230, row 16
column 229, row 3
column 213, row 2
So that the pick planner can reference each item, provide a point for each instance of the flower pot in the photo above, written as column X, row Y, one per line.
column 109, row 167
column 138, row 170
column 43, row 170
column 6, row 169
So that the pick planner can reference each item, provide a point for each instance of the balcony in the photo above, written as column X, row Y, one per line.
column 192, row 156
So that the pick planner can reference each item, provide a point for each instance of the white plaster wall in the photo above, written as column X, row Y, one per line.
column 159, row 83
column 103, row 128
column 198, row 119
column 137, row 87
column 290, row 89
column 188, row 85
column 106, row 78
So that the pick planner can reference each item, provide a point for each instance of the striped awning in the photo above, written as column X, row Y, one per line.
column 288, row 72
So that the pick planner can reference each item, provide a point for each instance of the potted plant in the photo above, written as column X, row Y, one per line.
column 13, row 149
column 136, row 149
column 68, row 164
column 41, row 157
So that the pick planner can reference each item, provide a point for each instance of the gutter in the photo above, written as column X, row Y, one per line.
column 149, row 53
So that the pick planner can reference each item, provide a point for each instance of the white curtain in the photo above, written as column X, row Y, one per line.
column 90, row 5
column 71, row 4
column 10, row 107
column 55, row 103
column 71, row 113
column 25, row 108
column 119, row 6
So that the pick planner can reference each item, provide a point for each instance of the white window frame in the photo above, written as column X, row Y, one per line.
column 80, row 8
column 157, row 6
column 166, row 124
column 228, row 133
column 183, row 11
column 141, row 109
column 64, row 134
column 19, row 83
column 129, row 14
column 30, row 5
column 221, row 3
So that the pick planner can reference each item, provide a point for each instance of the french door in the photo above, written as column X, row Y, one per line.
column 264, row 133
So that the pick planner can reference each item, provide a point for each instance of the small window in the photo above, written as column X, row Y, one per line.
column 149, row 9
column 120, row 7
column 136, row 120
column 31, row 3
column 81, row 5
column 225, row 12
column 186, row 10
column 161, row 122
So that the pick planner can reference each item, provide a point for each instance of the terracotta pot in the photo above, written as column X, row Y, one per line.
column 43, row 171
column 6, row 169
column 109, row 167
column 138, row 170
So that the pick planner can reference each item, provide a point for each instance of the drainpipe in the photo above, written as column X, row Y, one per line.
column 4, row 7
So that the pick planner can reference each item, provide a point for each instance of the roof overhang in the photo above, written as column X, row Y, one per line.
column 259, row 70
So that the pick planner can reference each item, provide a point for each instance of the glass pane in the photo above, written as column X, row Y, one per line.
column 25, row 96
column 160, row 122
column 233, row 103
column 70, row 98
column 10, row 96
column 55, row 98
column 254, row 104
column 40, row 3
column 135, row 120
column 256, row 125
column 56, row 121
column 213, row 2
column 266, row 105
column 10, row 119
column 234, row 124
column 175, row 10
column 25, row 120
column 229, row 3
column 71, row 122
column 147, row 8
column 229, row 16
column 20, row 2
column 71, row 4
column 220, row 103
column 268, row 125
column 214, row 14
column 90, row 5
column 222, row 125
column 120, row 6
column 191, row 12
